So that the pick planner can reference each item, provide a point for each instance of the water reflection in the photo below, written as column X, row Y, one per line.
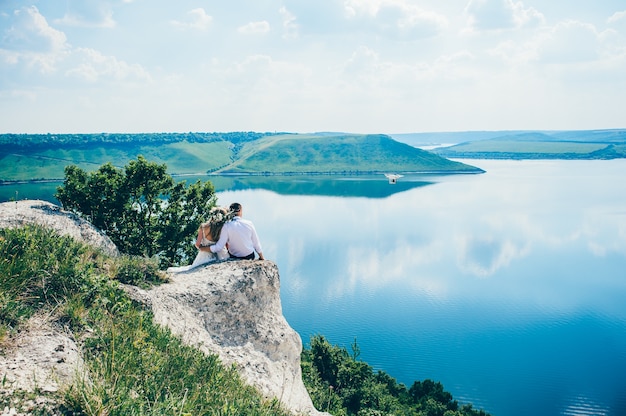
column 366, row 186
column 340, row 186
column 482, row 282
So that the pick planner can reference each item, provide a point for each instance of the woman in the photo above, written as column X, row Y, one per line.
column 208, row 234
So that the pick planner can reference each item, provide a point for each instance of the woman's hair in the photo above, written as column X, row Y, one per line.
column 218, row 216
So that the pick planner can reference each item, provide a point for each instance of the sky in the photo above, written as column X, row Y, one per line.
column 360, row 66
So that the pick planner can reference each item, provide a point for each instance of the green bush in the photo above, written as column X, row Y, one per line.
column 141, row 208
column 340, row 384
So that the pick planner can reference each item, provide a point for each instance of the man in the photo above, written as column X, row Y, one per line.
column 239, row 236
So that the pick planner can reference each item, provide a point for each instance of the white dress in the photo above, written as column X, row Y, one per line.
column 203, row 257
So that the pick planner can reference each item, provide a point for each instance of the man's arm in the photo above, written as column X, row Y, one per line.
column 221, row 243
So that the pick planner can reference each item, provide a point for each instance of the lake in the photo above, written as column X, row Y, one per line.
column 508, row 287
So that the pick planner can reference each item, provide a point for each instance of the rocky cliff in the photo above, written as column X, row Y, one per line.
column 230, row 308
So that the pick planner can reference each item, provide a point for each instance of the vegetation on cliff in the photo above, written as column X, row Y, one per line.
column 342, row 385
column 141, row 208
column 132, row 365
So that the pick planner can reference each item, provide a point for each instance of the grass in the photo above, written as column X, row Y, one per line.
column 508, row 146
column 133, row 366
column 181, row 158
column 338, row 154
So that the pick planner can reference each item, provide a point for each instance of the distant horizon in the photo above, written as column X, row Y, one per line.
column 316, row 132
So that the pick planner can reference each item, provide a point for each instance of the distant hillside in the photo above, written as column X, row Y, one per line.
column 587, row 144
column 31, row 157
column 351, row 154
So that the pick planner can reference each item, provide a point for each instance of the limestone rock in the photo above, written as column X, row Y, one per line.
column 42, row 357
column 233, row 309
column 19, row 213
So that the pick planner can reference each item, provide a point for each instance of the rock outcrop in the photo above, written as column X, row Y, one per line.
column 230, row 308
column 233, row 309
column 19, row 213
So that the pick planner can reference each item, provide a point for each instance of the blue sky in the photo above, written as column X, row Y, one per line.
column 364, row 66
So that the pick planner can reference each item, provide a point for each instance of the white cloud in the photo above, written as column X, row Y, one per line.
column 29, row 31
column 290, row 26
column 500, row 15
column 94, row 67
column 29, row 39
column 87, row 13
column 617, row 17
column 255, row 28
column 196, row 19
column 362, row 60
column 395, row 17
column 30, row 42
column 392, row 19
column 566, row 43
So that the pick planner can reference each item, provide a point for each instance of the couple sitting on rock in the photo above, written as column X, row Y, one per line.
column 225, row 235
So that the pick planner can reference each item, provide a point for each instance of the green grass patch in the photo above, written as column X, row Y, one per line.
column 181, row 158
column 339, row 154
column 134, row 367
column 31, row 166
column 506, row 146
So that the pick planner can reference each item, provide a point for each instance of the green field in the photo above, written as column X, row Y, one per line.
column 506, row 146
column 590, row 144
column 181, row 158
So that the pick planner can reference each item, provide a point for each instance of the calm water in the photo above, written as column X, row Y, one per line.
column 508, row 287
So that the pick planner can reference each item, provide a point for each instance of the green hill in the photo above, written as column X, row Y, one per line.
column 592, row 144
column 33, row 157
column 350, row 154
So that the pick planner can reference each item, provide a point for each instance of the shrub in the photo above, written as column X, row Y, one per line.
column 141, row 208
column 138, row 271
column 340, row 384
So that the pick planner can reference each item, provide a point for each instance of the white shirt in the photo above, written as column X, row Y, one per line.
column 241, row 237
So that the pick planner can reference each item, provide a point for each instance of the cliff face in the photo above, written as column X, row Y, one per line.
column 233, row 309
column 230, row 308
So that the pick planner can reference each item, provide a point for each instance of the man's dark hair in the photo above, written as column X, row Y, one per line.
column 235, row 207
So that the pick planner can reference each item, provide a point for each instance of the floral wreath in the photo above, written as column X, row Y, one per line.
column 216, row 215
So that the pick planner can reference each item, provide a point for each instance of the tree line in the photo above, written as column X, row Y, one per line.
column 37, row 141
